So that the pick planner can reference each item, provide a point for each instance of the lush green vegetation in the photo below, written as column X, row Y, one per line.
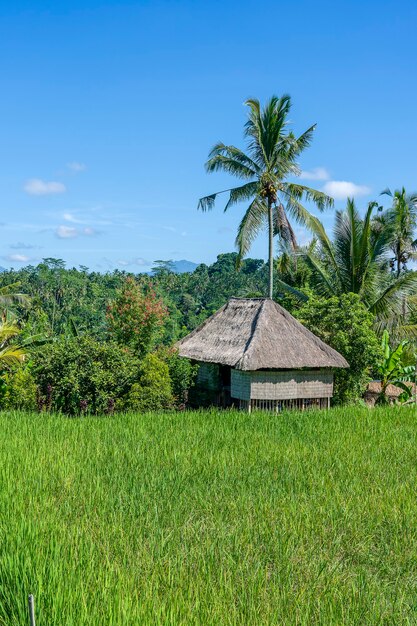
column 86, row 334
column 209, row 518
column 83, row 342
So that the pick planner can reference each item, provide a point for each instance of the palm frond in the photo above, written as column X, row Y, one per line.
column 326, row 245
column 298, row 211
column 296, row 145
column 393, row 297
column 207, row 203
column 283, row 228
column 9, row 295
column 236, row 194
column 239, row 194
column 11, row 356
column 232, row 161
column 265, row 127
column 364, row 249
column 8, row 331
column 298, row 192
column 252, row 222
column 386, row 192
column 323, row 282
column 302, row 297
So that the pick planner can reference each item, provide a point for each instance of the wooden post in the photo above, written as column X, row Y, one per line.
column 415, row 384
column 32, row 610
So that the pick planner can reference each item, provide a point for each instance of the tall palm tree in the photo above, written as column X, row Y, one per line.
column 401, row 219
column 272, row 152
column 356, row 261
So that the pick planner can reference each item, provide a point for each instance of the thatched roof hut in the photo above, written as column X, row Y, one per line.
column 392, row 392
column 254, row 350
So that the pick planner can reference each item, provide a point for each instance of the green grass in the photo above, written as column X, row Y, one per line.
column 210, row 518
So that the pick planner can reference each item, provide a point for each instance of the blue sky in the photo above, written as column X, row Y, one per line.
column 109, row 110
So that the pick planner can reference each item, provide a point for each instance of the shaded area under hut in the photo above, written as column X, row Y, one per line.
column 253, row 354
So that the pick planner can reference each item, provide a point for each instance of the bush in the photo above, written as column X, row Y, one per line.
column 19, row 390
column 181, row 372
column 347, row 326
column 81, row 375
column 153, row 391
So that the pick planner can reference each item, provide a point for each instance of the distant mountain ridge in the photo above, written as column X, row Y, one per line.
column 182, row 266
column 178, row 267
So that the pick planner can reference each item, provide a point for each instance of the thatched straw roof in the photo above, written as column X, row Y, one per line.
column 257, row 333
column 392, row 391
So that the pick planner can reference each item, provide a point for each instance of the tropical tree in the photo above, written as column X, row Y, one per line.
column 356, row 261
column 344, row 323
column 136, row 317
column 393, row 370
column 401, row 220
column 271, row 157
column 11, row 353
column 10, row 296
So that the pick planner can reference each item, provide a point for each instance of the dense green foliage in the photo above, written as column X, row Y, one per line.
column 401, row 221
column 139, row 313
column 394, row 370
column 97, row 330
column 347, row 326
column 153, row 390
column 79, row 375
column 209, row 518
column 74, row 301
column 182, row 374
column 48, row 306
column 357, row 261
column 19, row 390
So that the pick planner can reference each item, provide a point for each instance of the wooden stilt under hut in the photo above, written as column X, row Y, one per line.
column 253, row 354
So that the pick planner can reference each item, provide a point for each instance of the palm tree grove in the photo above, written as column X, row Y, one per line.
column 208, row 314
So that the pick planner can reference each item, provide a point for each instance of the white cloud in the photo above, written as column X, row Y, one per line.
column 23, row 246
column 38, row 187
column 66, row 232
column 317, row 173
column 342, row 189
column 137, row 261
column 73, row 219
column 70, row 217
column 18, row 258
column 172, row 229
column 70, row 232
column 75, row 166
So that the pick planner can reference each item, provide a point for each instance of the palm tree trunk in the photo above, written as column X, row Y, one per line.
column 398, row 259
column 271, row 249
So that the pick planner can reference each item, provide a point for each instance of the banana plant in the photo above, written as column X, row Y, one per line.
column 393, row 371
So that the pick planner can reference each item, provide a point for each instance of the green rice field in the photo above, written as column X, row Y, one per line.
column 210, row 518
